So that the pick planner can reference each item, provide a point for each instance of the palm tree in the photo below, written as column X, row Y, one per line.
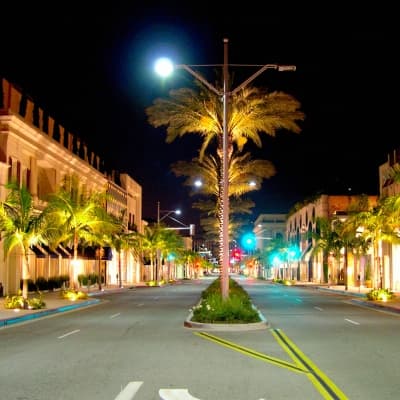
column 122, row 241
column 245, row 175
column 251, row 111
column 148, row 243
column 328, row 241
column 21, row 226
column 80, row 218
column 170, row 243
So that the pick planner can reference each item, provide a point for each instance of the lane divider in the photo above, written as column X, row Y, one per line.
column 252, row 353
column 323, row 384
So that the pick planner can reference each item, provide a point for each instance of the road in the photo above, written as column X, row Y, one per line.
column 133, row 345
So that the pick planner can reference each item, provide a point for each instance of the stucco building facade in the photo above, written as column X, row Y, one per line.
column 38, row 152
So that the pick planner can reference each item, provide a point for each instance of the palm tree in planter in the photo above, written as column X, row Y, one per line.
column 79, row 218
column 251, row 111
column 21, row 227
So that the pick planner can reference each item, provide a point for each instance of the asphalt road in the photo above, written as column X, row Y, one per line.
column 133, row 345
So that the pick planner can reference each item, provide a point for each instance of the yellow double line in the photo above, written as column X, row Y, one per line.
column 302, row 364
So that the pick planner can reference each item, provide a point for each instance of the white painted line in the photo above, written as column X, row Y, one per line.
column 318, row 308
column 129, row 391
column 140, row 304
column 176, row 394
column 115, row 315
column 69, row 333
column 352, row 322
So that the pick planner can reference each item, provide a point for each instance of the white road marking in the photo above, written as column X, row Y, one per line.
column 318, row 308
column 129, row 391
column 176, row 394
column 69, row 333
column 352, row 322
column 140, row 304
column 115, row 315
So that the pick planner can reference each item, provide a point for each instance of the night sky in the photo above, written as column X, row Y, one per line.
column 93, row 74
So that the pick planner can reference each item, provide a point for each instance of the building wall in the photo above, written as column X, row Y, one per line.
column 268, row 227
column 388, row 186
column 38, row 152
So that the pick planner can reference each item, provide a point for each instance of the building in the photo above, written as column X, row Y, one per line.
column 38, row 152
column 269, row 227
column 301, row 228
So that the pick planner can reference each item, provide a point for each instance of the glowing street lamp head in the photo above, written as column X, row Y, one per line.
column 163, row 67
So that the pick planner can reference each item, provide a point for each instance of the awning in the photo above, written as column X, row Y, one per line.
column 43, row 251
column 89, row 252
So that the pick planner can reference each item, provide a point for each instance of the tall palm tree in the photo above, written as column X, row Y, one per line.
column 171, row 243
column 251, row 111
column 328, row 241
column 377, row 225
column 21, row 227
column 80, row 218
column 148, row 243
column 122, row 241
column 245, row 175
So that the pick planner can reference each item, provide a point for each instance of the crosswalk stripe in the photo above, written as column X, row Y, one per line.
column 176, row 394
column 129, row 391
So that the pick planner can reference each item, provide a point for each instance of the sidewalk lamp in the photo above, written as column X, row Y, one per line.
column 165, row 67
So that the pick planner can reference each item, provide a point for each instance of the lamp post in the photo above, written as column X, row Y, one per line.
column 159, row 219
column 167, row 213
column 165, row 67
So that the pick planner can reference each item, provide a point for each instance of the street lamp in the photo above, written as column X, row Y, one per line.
column 159, row 219
column 167, row 213
column 164, row 67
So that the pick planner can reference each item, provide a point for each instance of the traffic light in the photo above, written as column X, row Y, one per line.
column 249, row 241
column 236, row 254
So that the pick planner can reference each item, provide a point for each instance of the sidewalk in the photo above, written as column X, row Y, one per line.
column 55, row 304
column 358, row 295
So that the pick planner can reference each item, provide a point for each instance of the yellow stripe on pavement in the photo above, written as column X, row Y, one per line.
column 323, row 384
column 249, row 352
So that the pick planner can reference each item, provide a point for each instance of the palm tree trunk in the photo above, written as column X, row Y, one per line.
column 119, row 270
column 25, row 276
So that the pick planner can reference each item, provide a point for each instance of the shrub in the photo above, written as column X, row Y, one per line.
column 17, row 301
column 93, row 278
column 83, row 279
column 31, row 285
column 41, row 283
column 380, row 294
column 72, row 294
column 237, row 308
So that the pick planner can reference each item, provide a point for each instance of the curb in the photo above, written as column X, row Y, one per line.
column 263, row 324
column 45, row 313
column 379, row 306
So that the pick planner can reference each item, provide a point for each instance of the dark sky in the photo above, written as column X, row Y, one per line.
column 93, row 73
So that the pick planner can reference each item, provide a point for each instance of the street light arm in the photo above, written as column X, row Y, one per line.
column 260, row 71
column 200, row 78
column 177, row 220
column 168, row 214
